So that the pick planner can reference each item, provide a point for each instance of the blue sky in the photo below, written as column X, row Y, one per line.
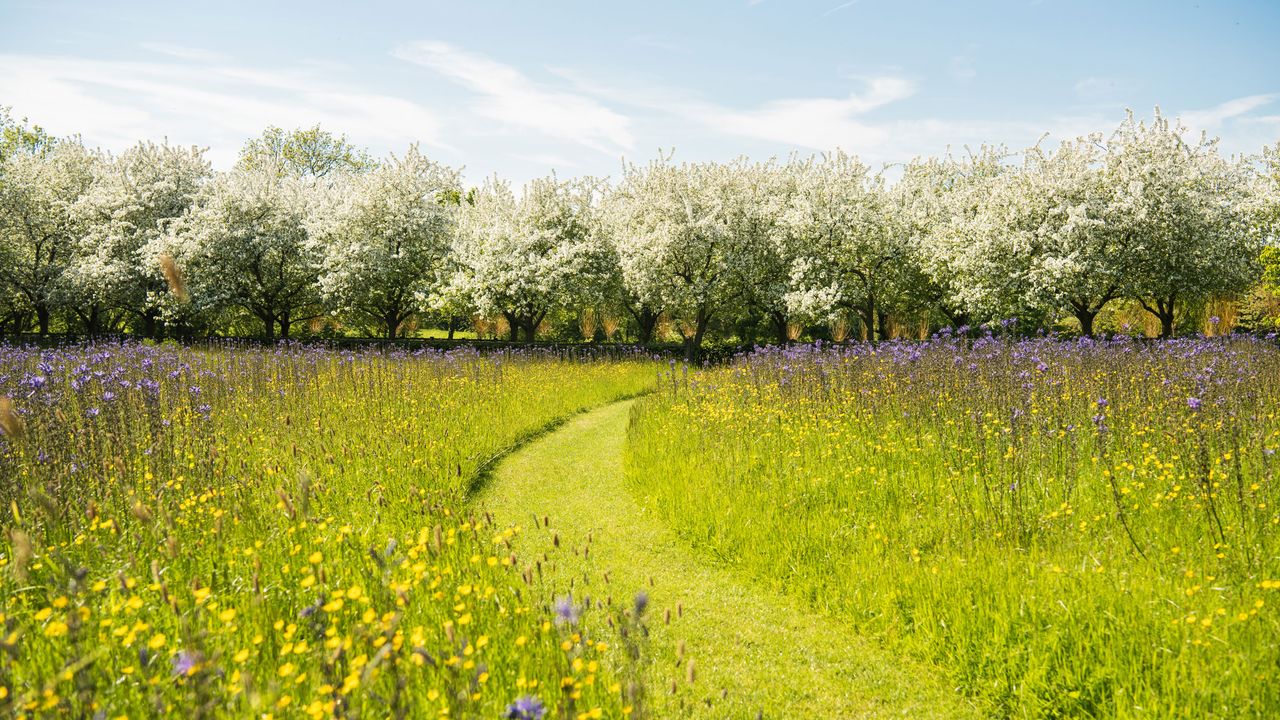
column 520, row 88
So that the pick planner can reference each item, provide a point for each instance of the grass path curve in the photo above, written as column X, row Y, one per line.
column 755, row 653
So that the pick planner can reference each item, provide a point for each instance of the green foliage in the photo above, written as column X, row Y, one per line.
column 309, row 152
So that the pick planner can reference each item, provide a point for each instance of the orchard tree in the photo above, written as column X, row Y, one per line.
column 310, row 152
column 849, row 254
column 525, row 257
column 618, row 293
column 384, row 238
column 244, row 245
column 935, row 203
column 1183, row 212
column 766, row 190
column 40, row 183
column 126, row 215
column 1267, row 189
column 1040, row 241
column 1077, row 259
column 678, row 244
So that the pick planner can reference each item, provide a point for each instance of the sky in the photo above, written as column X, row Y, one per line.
column 524, row 88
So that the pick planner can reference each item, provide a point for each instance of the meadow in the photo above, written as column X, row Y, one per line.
column 283, row 532
column 1047, row 527
column 1066, row 528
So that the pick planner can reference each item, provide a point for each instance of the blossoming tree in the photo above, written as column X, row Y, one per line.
column 383, row 238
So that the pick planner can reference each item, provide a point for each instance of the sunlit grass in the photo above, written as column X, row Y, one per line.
column 1070, row 529
column 280, row 531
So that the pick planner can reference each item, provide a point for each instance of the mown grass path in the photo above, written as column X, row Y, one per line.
column 754, row 652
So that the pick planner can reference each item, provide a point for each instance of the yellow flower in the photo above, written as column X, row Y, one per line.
column 157, row 641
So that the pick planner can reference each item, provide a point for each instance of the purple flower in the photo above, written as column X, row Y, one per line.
column 185, row 663
column 1193, row 403
column 566, row 611
column 1102, row 402
column 526, row 708
column 641, row 602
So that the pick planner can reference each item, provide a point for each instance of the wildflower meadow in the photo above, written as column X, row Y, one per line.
column 282, row 532
column 1066, row 528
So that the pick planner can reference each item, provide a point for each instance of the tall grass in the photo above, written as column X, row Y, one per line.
column 233, row 532
column 1067, row 529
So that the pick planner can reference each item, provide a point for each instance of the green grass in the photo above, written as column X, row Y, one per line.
column 753, row 650
column 980, row 507
column 299, row 547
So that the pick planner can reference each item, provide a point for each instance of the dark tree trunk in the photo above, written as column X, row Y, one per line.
column 646, row 322
column 882, row 324
column 1085, row 318
column 693, row 345
column 453, row 323
column 42, row 318
column 779, row 323
column 269, row 323
column 1163, row 310
column 285, row 323
column 391, row 323
column 513, row 326
column 150, row 323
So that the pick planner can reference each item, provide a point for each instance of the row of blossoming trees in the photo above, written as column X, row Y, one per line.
column 308, row 230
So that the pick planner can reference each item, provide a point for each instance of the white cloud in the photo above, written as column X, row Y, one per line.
column 840, row 7
column 1213, row 118
column 505, row 94
column 183, row 52
column 817, row 123
column 116, row 103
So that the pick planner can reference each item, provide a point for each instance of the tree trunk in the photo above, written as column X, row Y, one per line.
column 391, row 323
column 693, row 345
column 646, row 322
column 42, row 318
column 269, row 324
column 531, row 323
column 453, row 322
column 150, row 324
column 1085, row 318
column 882, row 324
column 285, row 322
column 513, row 326
column 92, row 322
column 1164, row 312
column 779, row 322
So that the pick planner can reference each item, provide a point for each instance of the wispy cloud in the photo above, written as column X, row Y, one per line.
column 505, row 94
column 818, row 123
column 840, row 7
column 183, row 52
column 195, row 101
column 1213, row 118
